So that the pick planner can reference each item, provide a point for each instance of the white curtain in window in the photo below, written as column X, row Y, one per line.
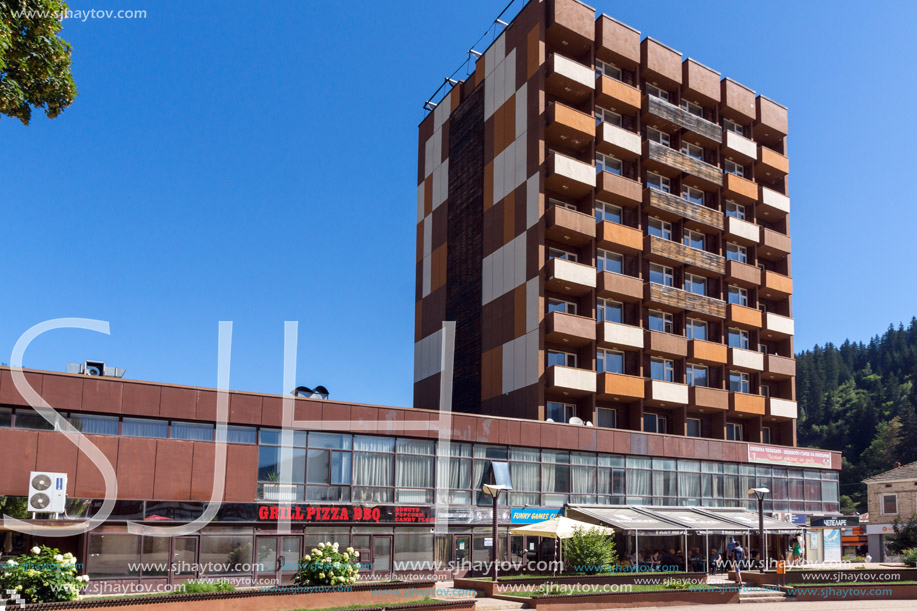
column 638, row 483
column 414, row 472
column 374, row 444
column 583, row 480
column 688, row 485
column 370, row 469
column 525, row 476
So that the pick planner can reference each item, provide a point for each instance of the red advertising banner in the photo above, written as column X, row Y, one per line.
column 347, row 513
column 789, row 457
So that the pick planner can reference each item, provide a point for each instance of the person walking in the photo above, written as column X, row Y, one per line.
column 738, row 559
column 797, row 552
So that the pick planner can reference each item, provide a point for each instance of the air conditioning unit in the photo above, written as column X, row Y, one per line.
column 47, row 492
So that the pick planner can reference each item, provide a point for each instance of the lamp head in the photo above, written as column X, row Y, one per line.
column 494, row 490
column 758, row 492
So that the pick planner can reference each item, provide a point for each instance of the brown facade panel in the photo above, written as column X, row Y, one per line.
column 136, row 468
column 700, row 82
column 738, row 101
column 89, row 481
column 174, row 460
column 616, row 43
column 245, row 409
column 570, row 24
column 18, row 452
column 241, row 473
column 57, row 454
column 202, row 470
column 770, row 116
column 660, row 62
column 140, row 399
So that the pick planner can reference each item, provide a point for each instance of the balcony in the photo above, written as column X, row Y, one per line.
column 569, row 80
column 568, row 127
column 739, row 148
column 770, row 165
column 773, row 205
column 657, row 343
column 779, row 367
column 743, row 232
column 619, row 387
column 676, row 299
column 777, row 286
column 740, row 189
column 744, row 403
column 774, row 245
column 619, row 238
column 669, row 117
column 770, row 121
column 670, row 162
column 746, row 360
column 708, row 398
column 569, row 329
column 617, row 96
column 569, row 25
column 665, row 394
column 707, row 352
column 570, row 381
column 619, row 335
column 569, row 176
column 742, row 274
column 569, row 277
column 777, row 326
column 619, row 190
column 743, row 316
column 618, row 142
column 695, row 259
column 620, row 287
column 569, row 226
column 782, row 408
column 668, row 206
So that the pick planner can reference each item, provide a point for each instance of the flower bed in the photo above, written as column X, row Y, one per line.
column 511, row 584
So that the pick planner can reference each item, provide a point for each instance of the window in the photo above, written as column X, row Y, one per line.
column 692, row 427
column 559, row 305
column 696, row 329
column 564, row 359
column 241, row 434
column 659, row 228
column 660, row 321
column 692, row 150
column 737, row 295
column 695, row 109
column 557, row 202
column 608, row 310
column 603, row 115
column 607, row 417
column 140, row 427
column 560, row 412
column 695, row 284
column 609, row 70
column 734, row 210
column 765, row 434
column 662, row 369
column 557, row 253
column 660, row 183
column 738, row 338
column 734, row 432
column 694, row 239
column 657, row 136
column 95, row 425
column 653, row 423
column 608, row 212
column 607, row 261
column 736, row 252
column 609, row 361
column 732, row 126
column 192, row 431
column 738, row 382
column 656, row 92
column 889, row 504
column 733, row 168
column 693, row 195
column 660, row 274
column 696, row 375
column 607, row 163
column 413, row 471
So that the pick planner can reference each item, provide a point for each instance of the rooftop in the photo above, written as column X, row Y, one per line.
column 904, row 472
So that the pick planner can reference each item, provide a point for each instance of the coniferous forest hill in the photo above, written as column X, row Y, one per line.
column 859, row 398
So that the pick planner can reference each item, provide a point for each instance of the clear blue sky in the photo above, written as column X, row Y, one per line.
column 259, row 165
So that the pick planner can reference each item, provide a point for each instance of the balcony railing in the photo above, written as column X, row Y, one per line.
column 569, row 329
column 619, row 190
column 619, row 286
column 619, row 335
column 569, row 176
column 659, row 153
column 567, row 226
column 617, row 141
column 618, row 386
column 568, row 79
column 570, row 277
column 657, row 200
column 666, row 392
column 708, row 398
column 570, row 380
column 675, row 116
column 683, row 300
column 692, row 257
column 613, row 94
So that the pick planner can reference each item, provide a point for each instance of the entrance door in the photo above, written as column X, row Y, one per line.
column 267, row 565
column 382, row 553
column 462, row 554
column 184, row 559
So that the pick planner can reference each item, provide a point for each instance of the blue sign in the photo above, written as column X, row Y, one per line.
column 531, row 515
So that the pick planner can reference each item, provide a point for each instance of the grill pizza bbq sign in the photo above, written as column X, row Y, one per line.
column 321, row 514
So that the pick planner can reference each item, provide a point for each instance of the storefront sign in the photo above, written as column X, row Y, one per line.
column 342, row 513
column 531, row 515
column 880, row 529
column 832, row 545
column 793, row 457
column 842, row 522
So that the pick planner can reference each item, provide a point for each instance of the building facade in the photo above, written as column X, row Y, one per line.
column 608, row 224
column 890, row 496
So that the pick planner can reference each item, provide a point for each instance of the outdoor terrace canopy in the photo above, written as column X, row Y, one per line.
column 662, row 520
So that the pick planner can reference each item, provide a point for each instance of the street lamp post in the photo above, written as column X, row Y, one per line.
column 759, row 493
column 494, row 491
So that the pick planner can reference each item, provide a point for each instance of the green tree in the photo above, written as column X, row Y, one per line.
column 34, row 60
column 848, row 507
column 905, row 536
column 590, row 551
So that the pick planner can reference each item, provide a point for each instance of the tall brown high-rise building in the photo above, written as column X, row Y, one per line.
column 608, row 224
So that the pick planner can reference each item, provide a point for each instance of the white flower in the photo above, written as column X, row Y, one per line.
column 321, row 575
column 36, row 550
column 12, row 562
column 59, row 558
column 349, row 550
column 321, row 545
column 335, row 546
column 317, row 553
column 346, row 556
column 68, row 555
column 307, row 557
column 356, row 554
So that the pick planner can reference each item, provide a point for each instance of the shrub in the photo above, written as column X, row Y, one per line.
column 905, row 536
column 195, row 586
column 328, row 566
column 43, row 575
column 910, row 557
column 590, row 551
